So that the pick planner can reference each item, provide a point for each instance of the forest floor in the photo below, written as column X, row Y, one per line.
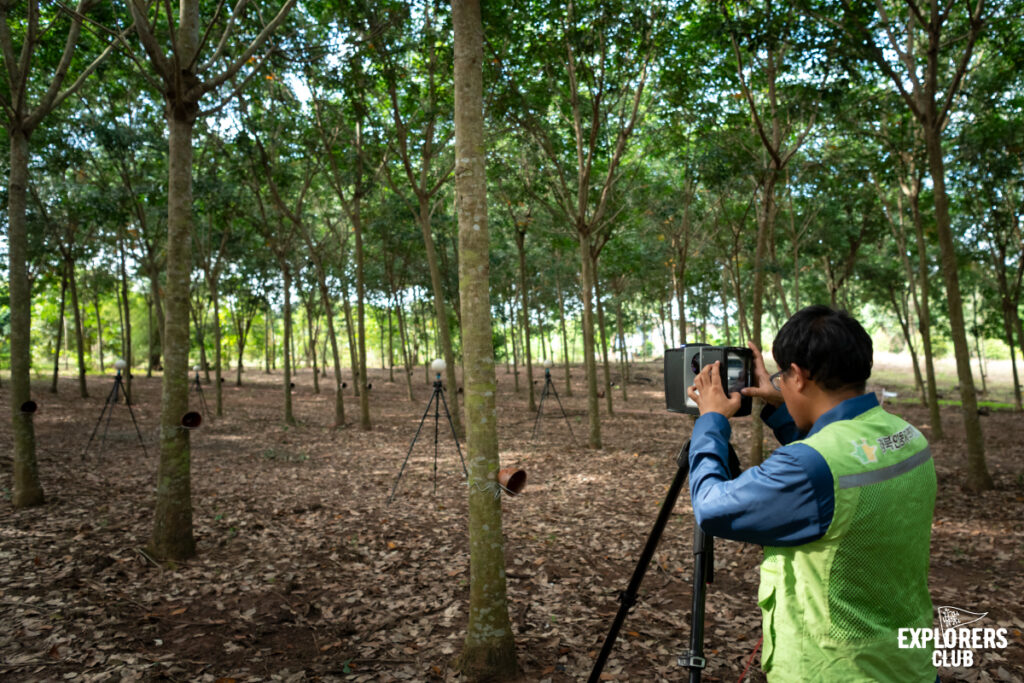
column 303, row 571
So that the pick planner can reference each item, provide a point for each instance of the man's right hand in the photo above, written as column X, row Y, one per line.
column 762, row 388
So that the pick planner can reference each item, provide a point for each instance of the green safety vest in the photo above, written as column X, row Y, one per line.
column 832, row 608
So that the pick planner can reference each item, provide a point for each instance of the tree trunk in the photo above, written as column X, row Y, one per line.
column 217, row 378
column 79, row 335
column 149, row 340
column 289, row 418
column 339, row 395
column 353, row 352
column 489, row 650
column 391, row 347
column 623, row 358
column 589, row 361
column 924, row 320
column 268, row 339
column 515, row 345
column 440, row 313
column 1009, row 312
column 172, row 519
column 99, row 333
column 565, row 338
column 154, row 293
column 27, row 489
column 604, row 342
column 978, row 478
column 127, row 340
column 60, row 329
column 406, row 358
column 312, row 347
column 524, row 301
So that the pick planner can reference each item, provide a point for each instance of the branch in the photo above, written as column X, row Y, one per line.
column 206, row 35
column 149, row 44
column 195, row 93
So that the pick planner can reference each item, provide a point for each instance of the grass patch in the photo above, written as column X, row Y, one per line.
column 993, row 405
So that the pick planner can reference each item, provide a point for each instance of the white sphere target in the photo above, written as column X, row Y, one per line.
column 547, row 363
column 438, row 366
column 119, row 364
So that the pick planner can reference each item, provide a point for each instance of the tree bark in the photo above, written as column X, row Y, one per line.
column 978, row 478
column 339, row 395
column 589, row 362
column 83, row 390
column 99, row 332
column 289, row 418
column 489, row 649
column 28, row 490
column 604, row 342
column 127, row 336
column 524, row 301
column 623, row 357
column 60, row 329
column 217, row 377
column 172, row 523
column 440, row 312
column 565, row 338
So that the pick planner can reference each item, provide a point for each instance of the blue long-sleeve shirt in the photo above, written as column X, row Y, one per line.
column 787, row 500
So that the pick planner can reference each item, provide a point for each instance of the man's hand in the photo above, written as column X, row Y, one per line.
column 708, row 394
column 762, row 388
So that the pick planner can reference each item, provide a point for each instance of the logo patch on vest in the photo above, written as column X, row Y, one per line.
column 863, row 451
column 894, row 442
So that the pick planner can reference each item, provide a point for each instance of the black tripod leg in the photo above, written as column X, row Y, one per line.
column 137, row 430
column 566, row 417
column 628, row 597
column 409, row 452
column 455, row 436
column 437, row 422
column 106, row 404
column 540, row 407
column 703, row 574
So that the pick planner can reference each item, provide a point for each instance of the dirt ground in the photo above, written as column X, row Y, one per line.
column 304, row 572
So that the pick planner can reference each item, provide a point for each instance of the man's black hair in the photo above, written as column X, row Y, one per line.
column 829, row 344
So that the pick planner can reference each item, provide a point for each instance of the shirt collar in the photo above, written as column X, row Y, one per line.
column 847, row 410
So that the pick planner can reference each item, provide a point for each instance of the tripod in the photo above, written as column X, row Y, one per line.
column 437, row 399
column 112, row 399
column 197, row 387
column 548, row 384
column 703, row 574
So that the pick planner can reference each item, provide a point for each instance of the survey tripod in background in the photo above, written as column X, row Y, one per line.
column 108, row 409
column 437, row 400
column 703, row 574
column 549, row 385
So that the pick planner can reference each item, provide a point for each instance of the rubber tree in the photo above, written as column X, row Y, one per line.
column 37, row 81
column 488, row 653
column 187, row 60
column 925, row 52
column 597, row 86
column 420, row 138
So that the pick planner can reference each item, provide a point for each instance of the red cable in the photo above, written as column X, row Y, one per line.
column 751, row 660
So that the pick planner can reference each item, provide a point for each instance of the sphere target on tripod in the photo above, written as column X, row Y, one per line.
column 548, row 364
column 29, row 407
column 512, row 479
column 191, row 420
column 120, row 364
column 195, row 368
column 438, row 366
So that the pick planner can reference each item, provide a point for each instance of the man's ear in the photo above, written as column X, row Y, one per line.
column 799, row 376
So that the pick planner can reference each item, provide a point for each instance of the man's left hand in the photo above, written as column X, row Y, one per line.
column 709, row 395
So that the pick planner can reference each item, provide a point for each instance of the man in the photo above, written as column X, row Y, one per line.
column 843, row 508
